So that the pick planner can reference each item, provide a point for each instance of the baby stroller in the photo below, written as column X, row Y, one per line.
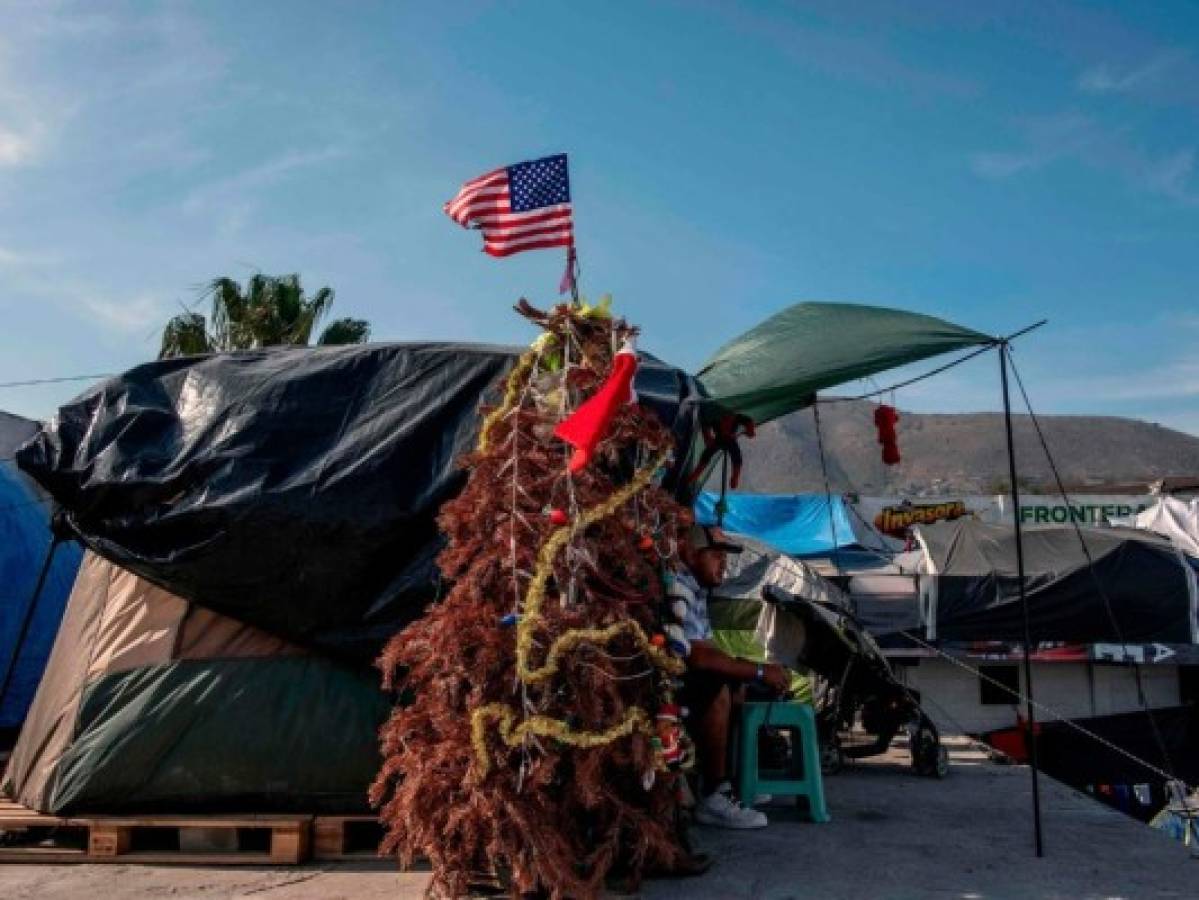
column 773, row 603
column 860, row 704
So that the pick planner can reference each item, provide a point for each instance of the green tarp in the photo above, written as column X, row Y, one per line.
column 779, row 366
column 285, row 734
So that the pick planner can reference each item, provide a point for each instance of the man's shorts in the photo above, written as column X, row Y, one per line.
column 700, row 690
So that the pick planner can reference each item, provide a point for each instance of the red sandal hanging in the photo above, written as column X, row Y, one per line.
column 885, row 419
column 723, row 439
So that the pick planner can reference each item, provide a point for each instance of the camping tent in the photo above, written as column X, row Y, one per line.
column 260, row 523
column 801, row 525
column 24, row 543
column 153, row 703
column 972, row 589
column 1172, row 518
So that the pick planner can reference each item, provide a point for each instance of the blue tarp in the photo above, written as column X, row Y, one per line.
column 796, row 524
column 24, row 541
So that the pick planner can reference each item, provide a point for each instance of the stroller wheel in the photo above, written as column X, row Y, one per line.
column 832, row 760
column 942, row 768
column 929, row 758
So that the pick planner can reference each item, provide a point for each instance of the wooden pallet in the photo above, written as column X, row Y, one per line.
column 346, row 837
column 284, row 839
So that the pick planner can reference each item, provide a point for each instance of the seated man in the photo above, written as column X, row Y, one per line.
column 711, row 677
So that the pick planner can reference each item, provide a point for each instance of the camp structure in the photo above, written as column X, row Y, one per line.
column 1174, row 519
column 29, row 616
column 257, row 524
column 1084, row 585
column 151, row 703
column 260, row 522
column 801, row 525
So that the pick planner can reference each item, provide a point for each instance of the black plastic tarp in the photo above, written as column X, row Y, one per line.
column 294, row 489
column 1146, row 583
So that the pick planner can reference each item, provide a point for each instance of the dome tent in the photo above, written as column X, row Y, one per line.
column 24, row 542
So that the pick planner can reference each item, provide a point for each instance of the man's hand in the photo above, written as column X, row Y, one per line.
column 776, row 677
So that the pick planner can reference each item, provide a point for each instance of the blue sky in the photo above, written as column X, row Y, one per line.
column 990, row 163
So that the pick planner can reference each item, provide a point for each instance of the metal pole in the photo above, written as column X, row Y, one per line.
column 1029, row 722
column 11, row 668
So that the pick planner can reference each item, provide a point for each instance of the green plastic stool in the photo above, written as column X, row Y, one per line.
column 799, row 718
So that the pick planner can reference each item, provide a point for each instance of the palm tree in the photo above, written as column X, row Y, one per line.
column 271, row 310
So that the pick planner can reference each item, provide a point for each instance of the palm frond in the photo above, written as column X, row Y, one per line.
column 269, row 311
column 229, row 308
column 345, row 331
column 185, row 335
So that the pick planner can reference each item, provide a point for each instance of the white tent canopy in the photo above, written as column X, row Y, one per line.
column 1172, row 518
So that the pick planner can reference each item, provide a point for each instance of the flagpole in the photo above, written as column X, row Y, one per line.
column 572, row 273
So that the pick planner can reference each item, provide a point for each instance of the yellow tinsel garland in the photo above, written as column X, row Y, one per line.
column 511, row 396
column 635, row 719
column 530, row 612
column 544, row 726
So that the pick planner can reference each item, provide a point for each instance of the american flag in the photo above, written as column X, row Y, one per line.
column 521, row 207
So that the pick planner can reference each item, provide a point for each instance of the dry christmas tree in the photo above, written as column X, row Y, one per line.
column 538, row 736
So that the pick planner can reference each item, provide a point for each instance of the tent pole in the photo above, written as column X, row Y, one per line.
column 1030, row 736
column 11, row 668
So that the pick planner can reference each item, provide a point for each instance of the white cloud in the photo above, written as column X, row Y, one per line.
column 1171, row 176
column 234, row 199
column 39, row 276
column 126, row 314
column 1127, row 381
column 122, row 61
column 20, row 259
column 1104, row 79
column 16, row 148
column 262, row 175
column 1070, row 136
column 1046, row 140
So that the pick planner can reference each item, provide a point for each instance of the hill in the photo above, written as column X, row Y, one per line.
column 958, row 453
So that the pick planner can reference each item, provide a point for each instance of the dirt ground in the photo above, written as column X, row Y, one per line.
column 893, row 835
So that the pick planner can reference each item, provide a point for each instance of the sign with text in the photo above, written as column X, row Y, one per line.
column 895, row 515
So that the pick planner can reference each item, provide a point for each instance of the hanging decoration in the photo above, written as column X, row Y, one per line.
column 589, row 424
column 885, row 419
column 539, row 737
column 722, row 438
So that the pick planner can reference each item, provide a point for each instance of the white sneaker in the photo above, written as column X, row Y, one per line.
column 719, row 809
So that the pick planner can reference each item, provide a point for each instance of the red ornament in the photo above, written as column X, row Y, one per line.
column 558, row 517
column 885, row 419
column 658, row 640
column 646, row 543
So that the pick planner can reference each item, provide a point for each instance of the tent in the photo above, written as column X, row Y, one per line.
column 150, row 702
column 971, row 588
column 24, row 543
column 258, row 524
column 801, row 525
column 1172, row 518
column 778, row 366
column 294, row 489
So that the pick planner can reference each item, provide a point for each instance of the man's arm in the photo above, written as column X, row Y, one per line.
column 707, row 657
